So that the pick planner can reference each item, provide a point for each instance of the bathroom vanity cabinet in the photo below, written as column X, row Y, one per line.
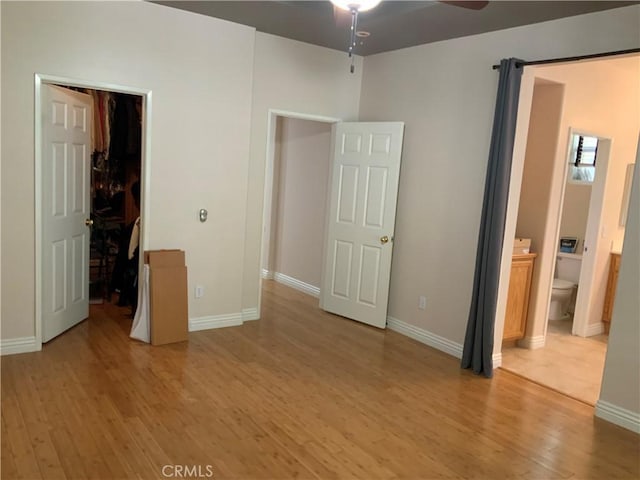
column 610, row 293
column 515, row 321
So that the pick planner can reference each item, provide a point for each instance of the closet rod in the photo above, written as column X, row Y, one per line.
column 574, row 59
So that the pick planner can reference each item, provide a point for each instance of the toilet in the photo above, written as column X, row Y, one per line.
column 561, row 295
column 564, row 285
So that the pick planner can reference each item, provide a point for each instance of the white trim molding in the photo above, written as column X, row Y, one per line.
column 594, row 329
column 266, row 274
column 215, row 321
column 210, row 322
column 12, row 346
column 423, row 336
column 532, row 342
column 249, row 314
column 497, row 360
column 618, row 415
column 297, row 284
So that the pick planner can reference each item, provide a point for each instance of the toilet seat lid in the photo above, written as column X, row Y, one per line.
column 562, row 284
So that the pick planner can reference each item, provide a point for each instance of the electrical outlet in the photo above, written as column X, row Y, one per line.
column 422, row 302
column 199, row 291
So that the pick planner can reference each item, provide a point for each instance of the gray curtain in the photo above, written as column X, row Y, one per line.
column 478, row 342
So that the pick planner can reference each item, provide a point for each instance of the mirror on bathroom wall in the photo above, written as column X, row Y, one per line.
column 626, row 193
column 582, row 159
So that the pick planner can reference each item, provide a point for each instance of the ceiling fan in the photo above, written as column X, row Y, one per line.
column 346, row 12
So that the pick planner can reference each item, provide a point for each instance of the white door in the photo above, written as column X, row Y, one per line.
column 66, row 150
column 362, row 211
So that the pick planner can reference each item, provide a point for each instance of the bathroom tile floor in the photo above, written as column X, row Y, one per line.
column 569, row 364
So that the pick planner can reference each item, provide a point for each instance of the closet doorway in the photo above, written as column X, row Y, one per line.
column 296, row 189
column 91, row 167
column 295, row 227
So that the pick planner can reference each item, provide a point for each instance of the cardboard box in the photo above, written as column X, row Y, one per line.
column 164, row 258
column 169, row 316
column 521, row 246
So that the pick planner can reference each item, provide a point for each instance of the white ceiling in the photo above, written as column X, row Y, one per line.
column 393, row 24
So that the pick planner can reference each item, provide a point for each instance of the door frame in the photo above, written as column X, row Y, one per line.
column 592, row 239
column 145, row 171
column 268, row 199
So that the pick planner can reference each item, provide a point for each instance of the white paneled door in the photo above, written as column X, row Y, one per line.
column 65, row 209
column 362, row 210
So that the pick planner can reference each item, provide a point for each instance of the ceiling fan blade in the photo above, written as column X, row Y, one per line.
column 469, row 4
column 342, row 18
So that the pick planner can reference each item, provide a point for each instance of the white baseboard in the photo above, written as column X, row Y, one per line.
column 497, row 360
column 250, row 314
column 215, row 321
column 426, row 337
column 12, row 346
column 297, row 284
column 618, row 415
column 594, row 329
column 266, row 274
column 532, row 342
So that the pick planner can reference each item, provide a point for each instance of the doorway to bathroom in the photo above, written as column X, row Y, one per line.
column 572, row 211
column 552, row 350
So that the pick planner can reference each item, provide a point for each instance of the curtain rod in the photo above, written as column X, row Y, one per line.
column 573, row 59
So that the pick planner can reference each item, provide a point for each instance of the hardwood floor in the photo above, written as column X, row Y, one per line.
column 298, row 394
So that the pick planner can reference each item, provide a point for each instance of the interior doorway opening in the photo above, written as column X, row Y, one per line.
column 296, row 197
column 360, row 198
column 110, row 174
column 115, row 197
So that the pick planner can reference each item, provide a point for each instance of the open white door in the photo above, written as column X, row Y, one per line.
column 66, row 149
column 362, row 211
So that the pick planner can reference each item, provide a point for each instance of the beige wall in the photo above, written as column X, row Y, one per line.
column 537, row 179
column 200, row 72
column 575, row 212
column 621, row 381
column 445, row 92
column 294, row 77
column 272, row 185
column 542, row 139
column 612, row 110
column 303, row 175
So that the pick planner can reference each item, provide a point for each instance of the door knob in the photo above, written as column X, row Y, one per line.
column 384, row 239
column 88, row 222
